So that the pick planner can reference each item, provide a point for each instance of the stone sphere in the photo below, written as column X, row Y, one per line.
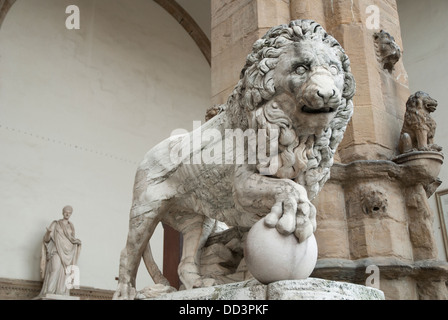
column 271, row 256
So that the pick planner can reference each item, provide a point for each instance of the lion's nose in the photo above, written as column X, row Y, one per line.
column 326, row 95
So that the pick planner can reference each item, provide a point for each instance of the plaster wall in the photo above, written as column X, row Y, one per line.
column 78, row 111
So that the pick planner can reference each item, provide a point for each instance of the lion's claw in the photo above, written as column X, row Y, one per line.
column 293, row 215
column 304, row 230
column 272, row 218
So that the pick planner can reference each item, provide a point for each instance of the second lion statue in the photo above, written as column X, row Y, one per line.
column 297, row 83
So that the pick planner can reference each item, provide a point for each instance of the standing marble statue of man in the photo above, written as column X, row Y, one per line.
column 60, row 249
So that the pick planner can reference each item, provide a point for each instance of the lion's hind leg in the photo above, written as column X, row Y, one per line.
column 195, row 230
column 141, row 228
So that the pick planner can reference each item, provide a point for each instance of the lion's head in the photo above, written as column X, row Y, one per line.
column 297, row 80
column 421, row 101
column 419, row 127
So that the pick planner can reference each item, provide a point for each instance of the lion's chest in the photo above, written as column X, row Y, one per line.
column 211, row 184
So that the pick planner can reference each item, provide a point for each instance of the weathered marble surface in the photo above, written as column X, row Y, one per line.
column 60, row 251
column 307, row 289
column 295, row 92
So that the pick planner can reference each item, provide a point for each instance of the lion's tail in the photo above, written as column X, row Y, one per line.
column 152, row 267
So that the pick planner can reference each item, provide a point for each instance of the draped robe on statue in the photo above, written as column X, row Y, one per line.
column 57, row 254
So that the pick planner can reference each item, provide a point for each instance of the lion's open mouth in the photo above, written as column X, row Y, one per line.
column 307, row 109
column 431, row 106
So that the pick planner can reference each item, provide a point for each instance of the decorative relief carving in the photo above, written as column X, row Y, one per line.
column 366, row 199
column 388, row 51
column 373, row 200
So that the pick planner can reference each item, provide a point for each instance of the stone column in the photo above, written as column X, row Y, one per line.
column 381, row 95
column 372, row 211
column 385, row 213
column 236, row 25
column 332, row 232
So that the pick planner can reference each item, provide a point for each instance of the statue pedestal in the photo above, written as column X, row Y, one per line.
column 307, row 289
column 50, row 296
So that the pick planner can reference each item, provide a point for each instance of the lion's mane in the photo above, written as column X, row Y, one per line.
column 312, row 156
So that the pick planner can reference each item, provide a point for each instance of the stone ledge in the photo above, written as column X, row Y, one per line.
column 408, row 173
column 320, row 289
column 307, row 289
column 390, row 268
column 17, row 289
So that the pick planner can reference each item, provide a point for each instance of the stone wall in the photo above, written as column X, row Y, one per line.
column 78, row 111
column 236, row 25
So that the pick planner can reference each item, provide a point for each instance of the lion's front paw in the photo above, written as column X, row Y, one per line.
column 293, row 213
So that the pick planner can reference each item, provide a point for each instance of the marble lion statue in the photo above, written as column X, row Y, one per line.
column 417, row 133
column 296, row 88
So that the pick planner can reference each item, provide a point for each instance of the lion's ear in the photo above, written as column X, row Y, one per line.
column 349, row 86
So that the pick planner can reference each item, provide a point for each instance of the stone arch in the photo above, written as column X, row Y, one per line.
column 5, row 5
column 171, row 6
column 190, row 26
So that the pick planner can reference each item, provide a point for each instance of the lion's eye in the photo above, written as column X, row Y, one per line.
column 301, row 69
column 334, row 70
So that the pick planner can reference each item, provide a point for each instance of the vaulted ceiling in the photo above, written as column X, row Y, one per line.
column 194, row 16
